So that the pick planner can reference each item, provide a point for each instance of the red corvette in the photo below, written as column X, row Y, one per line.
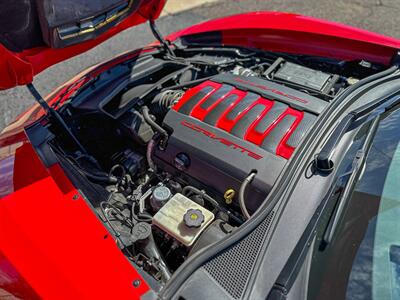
column 250, row 157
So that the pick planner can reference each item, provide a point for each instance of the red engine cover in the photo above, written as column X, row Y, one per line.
column 229, row 126
column 270, row 124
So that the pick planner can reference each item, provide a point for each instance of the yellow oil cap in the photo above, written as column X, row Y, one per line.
column 229, row 195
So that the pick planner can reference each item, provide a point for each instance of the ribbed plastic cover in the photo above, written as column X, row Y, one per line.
column 233, row 267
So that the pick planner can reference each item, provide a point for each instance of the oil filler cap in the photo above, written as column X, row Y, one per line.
column 182, row 161
column 193, row 218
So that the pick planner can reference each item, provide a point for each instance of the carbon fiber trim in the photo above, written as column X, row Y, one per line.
column 220, row 93
column 243, row 124
column 275, row 136
column 249, row 99
column 301, row 130
column 213, row 116
column 270, row 118
column 188, row 106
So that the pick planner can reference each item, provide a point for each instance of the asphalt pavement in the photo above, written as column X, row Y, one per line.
column 375, row 15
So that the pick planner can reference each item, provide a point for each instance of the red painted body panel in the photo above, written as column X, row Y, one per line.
column 20, row 68
column 293, row 33
column 12, row 284
column 52, row 246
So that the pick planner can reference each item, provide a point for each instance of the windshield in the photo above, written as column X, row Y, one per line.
column 363, row 260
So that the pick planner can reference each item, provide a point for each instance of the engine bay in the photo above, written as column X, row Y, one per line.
column 181, row 149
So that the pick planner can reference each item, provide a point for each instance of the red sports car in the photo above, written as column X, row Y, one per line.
column 250, row 157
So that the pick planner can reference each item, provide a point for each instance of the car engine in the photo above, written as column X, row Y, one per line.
column 182, row 150
column 231, row 126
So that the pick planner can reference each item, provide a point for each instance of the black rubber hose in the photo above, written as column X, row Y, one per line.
column 144, row 218
column 99, row 178
column 187, row 189
column 203, row 194
column 242, row 190
column 152, row 123
column 149, row 154
column 116, row 167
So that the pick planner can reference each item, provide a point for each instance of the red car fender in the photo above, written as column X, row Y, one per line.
column 52, row 245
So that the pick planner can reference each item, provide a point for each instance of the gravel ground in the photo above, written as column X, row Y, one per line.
column 375, row 15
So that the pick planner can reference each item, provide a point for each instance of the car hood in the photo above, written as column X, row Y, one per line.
column 35, row 35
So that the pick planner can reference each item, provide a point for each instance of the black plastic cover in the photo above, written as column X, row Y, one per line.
column 65, row 23
column 303, row 76
column 217, row 165
column 14, row 34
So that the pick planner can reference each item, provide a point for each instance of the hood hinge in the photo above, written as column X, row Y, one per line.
column 52, row 113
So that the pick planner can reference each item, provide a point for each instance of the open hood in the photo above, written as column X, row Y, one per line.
column 36, row 34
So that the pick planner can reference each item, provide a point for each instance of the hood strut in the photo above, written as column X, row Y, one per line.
column 52, row 113
column 160, row 38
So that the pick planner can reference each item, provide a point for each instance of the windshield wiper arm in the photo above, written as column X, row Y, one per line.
column 341, row 202
column 354, row 174
column 352, row 120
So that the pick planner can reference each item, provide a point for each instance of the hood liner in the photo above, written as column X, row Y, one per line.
column 30, row 31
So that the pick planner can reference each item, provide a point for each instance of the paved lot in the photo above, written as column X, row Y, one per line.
column 376, row 15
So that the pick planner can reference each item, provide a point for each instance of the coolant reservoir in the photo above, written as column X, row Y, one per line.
column 183, row 219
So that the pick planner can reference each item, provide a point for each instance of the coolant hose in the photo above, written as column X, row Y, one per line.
column 149, row 154
column 187, row 189
column 242, row 190
column 203, row 194
column 154, row 125
column 103, row 178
